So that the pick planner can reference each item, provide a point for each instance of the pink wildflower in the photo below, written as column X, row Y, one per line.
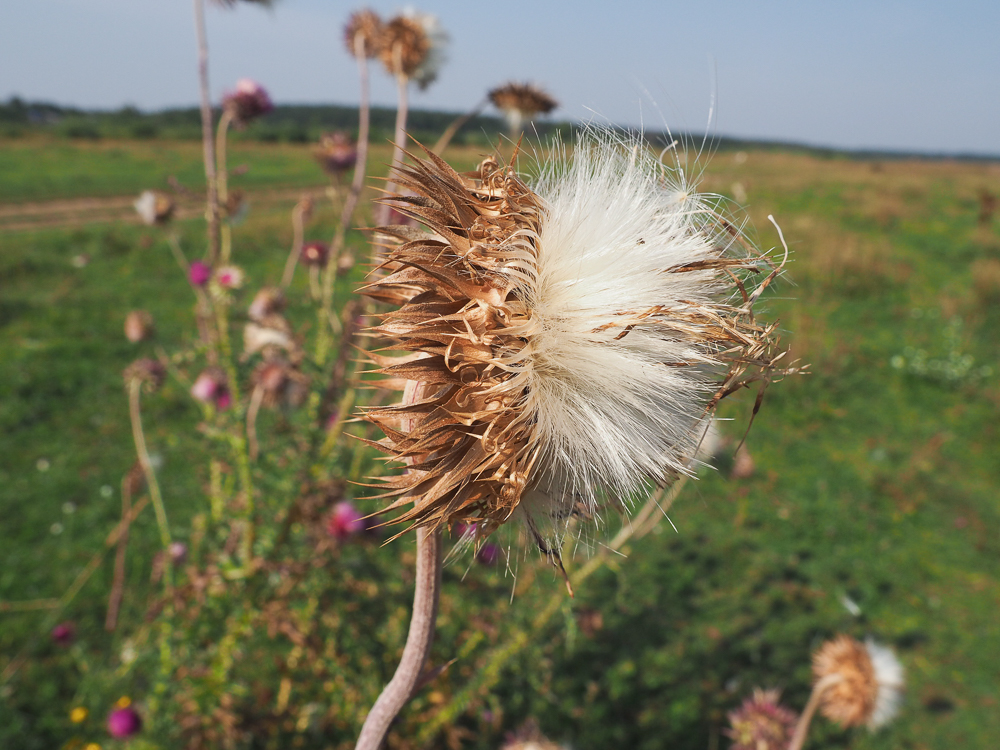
column 124, row 722
column 345, row 521
column 199, row 273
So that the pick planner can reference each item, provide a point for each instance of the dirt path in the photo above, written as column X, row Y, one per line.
column 21, row 217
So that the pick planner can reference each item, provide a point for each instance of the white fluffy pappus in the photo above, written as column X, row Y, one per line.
column 891, row 680
column 618, row 392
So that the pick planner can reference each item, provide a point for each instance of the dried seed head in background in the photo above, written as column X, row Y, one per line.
column 412, row 44
column 138, row 326
column 150, row 372
column 154, row 207
column 761, row 722
column 366, row 25
column 337, row 153
column 570, row 338
column 871, row 682
column 521, row 102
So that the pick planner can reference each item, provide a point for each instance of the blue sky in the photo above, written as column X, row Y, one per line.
column 896, row 75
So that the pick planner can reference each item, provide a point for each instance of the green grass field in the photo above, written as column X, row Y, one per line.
column 875, row 480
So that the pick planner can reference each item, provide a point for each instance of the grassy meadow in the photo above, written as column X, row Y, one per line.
column 871, row 509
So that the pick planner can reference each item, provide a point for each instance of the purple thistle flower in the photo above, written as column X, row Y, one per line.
column 199, row 273
column 345, row 521
column 124, row 722
column 488, row 554
column 249, row 101
column 64, row 633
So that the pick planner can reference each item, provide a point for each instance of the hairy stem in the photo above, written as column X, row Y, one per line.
column 418, row 643
column 802, row 728
column 212, row 213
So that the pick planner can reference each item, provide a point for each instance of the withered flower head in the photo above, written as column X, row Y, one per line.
column 761, row 723
column 569, row 338
column 520, row 102
column 150, row 372
column 336, row 153
column 154, row 207
column 280, row 383
column 363, row 26
column 266, row 302
column 412, row 44
column 249, row 101
column 867, row 682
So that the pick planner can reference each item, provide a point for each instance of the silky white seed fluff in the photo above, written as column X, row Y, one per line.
column 890, row 678
column 609, row 414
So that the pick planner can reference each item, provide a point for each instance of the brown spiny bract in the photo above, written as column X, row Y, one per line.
column 525, row 98
column 403, row 45
column 364, row 27
column 470, row 440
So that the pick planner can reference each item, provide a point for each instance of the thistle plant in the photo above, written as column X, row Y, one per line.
column 563, row 345
column 520, row 103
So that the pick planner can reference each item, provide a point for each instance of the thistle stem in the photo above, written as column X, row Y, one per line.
column 421, row 634
column 418, row 643
column 350, row 204
column 457, row 123
column 402, row 86
column 802, row 728
column 212, row 212
column 222, row 182
column 134, row 388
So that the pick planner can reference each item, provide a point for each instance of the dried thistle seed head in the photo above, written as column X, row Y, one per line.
column 154, row 207
column 270, row 335
column 867, row 682
column 280, row 383
column 412, row 45
column 521, row 102
column 761, row 722
column 150, row 372
column 266, row 302
column 570, row 338
column 364, row 29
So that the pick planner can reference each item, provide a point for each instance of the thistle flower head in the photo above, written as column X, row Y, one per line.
column 569, row 338
column 412, row 45
column 210, row 388
column 868, row 682
column 345, row 521
column 315, row 253
column 249, row 101
column 364, row 27
column 266, row 302
column 199, row 273
column 336, row 153
column 124, row 722
column 138, row 326
column 520, row 102
column 150, row 372
column 761, row 723
column 154, row 207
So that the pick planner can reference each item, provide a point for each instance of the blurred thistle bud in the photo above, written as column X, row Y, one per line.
column 124, row 722
column 229, row 277
column 412, row 45
column 521, row 102
column 177, row 552
column 249, row 101
column 364, row 30
column 344, row 521
column 866, row 682
column 138, row 326
column 314, row 254
column 210, row 388
column 154, row 207
column 488, row 554
column 64, row 633
column 199, row 273
column 761, row 723
column 336, row 153
column 266, row 302
column 150, row 372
